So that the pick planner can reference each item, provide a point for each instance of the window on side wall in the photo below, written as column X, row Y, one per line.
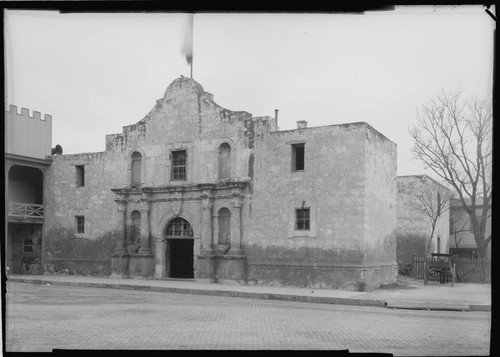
column 179, row 159
column 80, row 224
column 80, row 175
column 298, row 151
column 302, row 219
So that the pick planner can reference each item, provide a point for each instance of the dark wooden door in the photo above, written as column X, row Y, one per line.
column 181, row 258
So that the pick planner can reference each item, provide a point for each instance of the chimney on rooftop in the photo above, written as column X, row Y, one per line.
column 276, row 117
column 301, row 124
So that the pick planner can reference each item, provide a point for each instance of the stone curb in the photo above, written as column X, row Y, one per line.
column 227, row 293
column 252, row 295
column 435, row 306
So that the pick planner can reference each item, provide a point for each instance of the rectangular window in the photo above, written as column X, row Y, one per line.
column 80, row 175
column 179, row 165
column 28, row 245
column 80, row 224
column 298, row 151
column 302, row 218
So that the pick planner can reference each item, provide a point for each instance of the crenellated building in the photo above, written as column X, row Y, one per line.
column 28, row 141
column 194, row 190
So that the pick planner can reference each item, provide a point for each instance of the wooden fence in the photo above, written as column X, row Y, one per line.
column 467, row 270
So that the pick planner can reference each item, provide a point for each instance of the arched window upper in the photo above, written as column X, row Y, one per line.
column 224, row 226
column 224, row 161
column 179, row 228
column 135, row 178
column 135, row 227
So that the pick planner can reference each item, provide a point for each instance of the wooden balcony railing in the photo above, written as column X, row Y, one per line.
column 25, row 210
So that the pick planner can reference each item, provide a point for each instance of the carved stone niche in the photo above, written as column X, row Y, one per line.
column 223, row 249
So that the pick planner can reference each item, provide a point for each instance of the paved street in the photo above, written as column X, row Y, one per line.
column 40, row 318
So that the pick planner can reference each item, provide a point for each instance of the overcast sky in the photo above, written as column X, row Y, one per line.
column 95, row 73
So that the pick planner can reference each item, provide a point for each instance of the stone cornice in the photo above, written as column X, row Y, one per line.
column 227, row 185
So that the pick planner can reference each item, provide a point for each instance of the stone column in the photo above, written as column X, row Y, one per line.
column 215, row 222
column 120, row 228
column 236, row 202
column 206, row 232
column 120, row 258
column 160, row 259
column 145, row 249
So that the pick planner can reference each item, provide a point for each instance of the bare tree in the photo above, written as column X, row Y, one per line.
column 432, row 203
column 458, row 225
column 453, row 138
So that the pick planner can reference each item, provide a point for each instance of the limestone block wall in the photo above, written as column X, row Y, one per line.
column 332, row 185
column 381, row 208
column 94, row 200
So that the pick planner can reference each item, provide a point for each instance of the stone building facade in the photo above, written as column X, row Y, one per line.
column 194, row 190
column 414, row 227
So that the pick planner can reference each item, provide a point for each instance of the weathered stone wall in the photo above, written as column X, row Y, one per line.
column 68, row 255
column 381, row 209
column 333, row 185
column 64, row 200
column 413, row 227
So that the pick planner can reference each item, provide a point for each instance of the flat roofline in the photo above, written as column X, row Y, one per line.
column 420, row 176
column 357, row 123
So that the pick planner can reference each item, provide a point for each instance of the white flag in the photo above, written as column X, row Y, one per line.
column 187, row 48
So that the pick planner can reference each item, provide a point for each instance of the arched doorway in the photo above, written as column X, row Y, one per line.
column 179, row 250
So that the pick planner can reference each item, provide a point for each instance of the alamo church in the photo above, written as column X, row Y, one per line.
column 196, row 191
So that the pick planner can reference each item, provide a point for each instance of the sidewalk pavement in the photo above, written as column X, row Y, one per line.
column 413, row 294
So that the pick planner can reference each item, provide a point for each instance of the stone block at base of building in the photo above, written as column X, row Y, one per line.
column 204, row 271
column 348, row 277
column 373, row 277
column 221, row 268
column 230, row 268
column 141, row 266
column 119, row 266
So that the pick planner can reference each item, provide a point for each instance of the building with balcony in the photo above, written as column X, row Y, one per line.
column 28, row 141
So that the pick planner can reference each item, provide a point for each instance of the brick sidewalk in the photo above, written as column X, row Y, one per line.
column 413, row 294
